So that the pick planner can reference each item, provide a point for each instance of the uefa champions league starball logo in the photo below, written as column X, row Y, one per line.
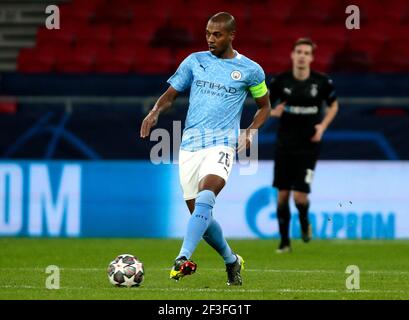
column 236, row 75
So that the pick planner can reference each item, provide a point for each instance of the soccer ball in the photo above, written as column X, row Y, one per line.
column 126, row 271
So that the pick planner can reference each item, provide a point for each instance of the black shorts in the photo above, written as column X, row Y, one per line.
column 294, row 172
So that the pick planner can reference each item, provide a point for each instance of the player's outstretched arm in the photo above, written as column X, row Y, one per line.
column 278, row 110
column 164, row 102
column 320, row 128
column 261, row 116
column 263, row 112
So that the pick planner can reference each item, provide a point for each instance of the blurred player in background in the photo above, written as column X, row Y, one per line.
column 301, row 93
column 219, row 80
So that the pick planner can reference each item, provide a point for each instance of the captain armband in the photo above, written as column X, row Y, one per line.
column 259, row 90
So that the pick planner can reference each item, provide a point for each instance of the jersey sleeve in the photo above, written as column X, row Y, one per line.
column 274, row 91
column 257, row 85
column 330, row 94
column 183, row 77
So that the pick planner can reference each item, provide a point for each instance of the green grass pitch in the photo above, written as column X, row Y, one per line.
column 312, row 271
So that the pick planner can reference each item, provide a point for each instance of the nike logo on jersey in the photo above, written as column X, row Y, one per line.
column 287, row 91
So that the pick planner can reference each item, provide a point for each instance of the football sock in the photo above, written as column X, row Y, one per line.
column 303, row 210
column 214, row 237
column 284, row 216
column 198, row 222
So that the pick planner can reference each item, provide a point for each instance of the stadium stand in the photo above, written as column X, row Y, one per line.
column 126, row 49
column 177, row 29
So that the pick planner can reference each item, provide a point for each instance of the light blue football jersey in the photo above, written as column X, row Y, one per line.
column 218, row 88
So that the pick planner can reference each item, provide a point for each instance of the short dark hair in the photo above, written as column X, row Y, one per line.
column 306, row 41
column 226, row 18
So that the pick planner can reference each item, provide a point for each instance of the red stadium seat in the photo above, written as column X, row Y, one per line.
column 193, row 16
column 78, row 60
column 59, row 37
column 323, row 61
column 174, row 5
column 130, row 49
column 271, row 59
column 154, row 61
column 180, row 56
column 115, row 13
column 148, row 10
column 398, row 35
column 90, row 49
column 250, row 51
column 275, row 65
column 197, row 16
column 283, row 34
column 264, row 26
column 172, row 36
column 351, row 61
column 280, row 11
column 337, row 15
column 195, row 26
column 40, row 59
column 392, row 59
column 89, row 4
column 51, row 49
column 393, row 64
column 254, row 34
column 100, row 35
column 366, row 40
column 392, row 12
column 209, row 8
column 184, row 53
column 25, row 62
column 311, row 13
column 330, row 37
column 35, row 60
column 136, row 33
column 266, row 32
column 400, row 48
column 308, row 17
column 112, row 61
column 238, row 10
column 76, row 13
column 405, row 18
column 260, row 14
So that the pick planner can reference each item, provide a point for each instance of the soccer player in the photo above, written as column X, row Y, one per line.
column 301, row 93
column 219, row 80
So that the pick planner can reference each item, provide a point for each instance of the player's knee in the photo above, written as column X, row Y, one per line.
column 301, row 204
column 300, row 198
column 206, row 198
column 283, row 197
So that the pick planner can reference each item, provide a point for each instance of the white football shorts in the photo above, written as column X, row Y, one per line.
column 194, row 166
